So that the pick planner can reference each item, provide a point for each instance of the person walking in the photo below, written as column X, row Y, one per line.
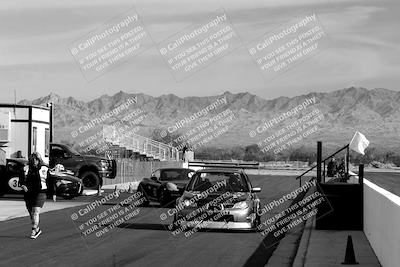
column 34, row 183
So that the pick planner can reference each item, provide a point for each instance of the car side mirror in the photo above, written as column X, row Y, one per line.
column 256, row 189
column 67, row 155
column 154, row 178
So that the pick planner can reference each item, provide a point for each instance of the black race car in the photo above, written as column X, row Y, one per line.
column 66, row 185
column 165, row 185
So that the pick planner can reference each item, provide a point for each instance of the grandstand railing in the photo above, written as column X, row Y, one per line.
column 140, row 144
column 324, row 160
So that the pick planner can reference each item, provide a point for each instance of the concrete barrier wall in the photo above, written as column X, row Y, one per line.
column 132, row 170
column 382, row 223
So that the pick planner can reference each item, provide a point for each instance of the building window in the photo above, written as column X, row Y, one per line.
column 34, row 140
column 46, row 142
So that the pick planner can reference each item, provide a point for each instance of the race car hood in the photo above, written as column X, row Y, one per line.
column 203, row 199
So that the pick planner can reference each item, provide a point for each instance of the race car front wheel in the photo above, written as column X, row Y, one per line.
column 257, row 221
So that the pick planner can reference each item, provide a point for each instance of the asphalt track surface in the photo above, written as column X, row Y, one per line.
column 387, row 180
column 141, row 241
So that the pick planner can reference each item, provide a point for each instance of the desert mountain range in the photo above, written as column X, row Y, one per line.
column 375, row 113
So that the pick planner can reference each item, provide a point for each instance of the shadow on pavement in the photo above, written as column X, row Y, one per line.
column 268, row 245
column 144, row 226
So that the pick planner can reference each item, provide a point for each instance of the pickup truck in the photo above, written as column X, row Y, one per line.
column 90, row 169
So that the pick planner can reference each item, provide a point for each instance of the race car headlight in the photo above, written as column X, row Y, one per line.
column 172, row 187
column 189, row 203
column 241, row 205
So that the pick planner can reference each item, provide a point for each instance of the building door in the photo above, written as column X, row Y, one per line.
column 34, row 139
column 46, row 142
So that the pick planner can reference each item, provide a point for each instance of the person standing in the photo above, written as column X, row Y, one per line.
column 185, row 148
column 34, row 184
column 341, row 169
column 332, row 167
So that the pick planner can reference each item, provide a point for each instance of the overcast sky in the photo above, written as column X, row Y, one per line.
column 35, row 35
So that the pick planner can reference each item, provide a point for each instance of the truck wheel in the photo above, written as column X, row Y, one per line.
column 91, row 180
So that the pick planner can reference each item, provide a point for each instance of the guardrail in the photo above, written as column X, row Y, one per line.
column 346, row 147
column 140, row 144
column 220, row 164
column 134, row 171
column 381, row 223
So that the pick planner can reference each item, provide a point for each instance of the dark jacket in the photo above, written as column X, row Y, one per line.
column 32, row 180
column 332, row 168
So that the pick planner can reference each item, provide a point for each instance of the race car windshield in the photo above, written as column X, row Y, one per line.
column 221, row 182
column 170, row 175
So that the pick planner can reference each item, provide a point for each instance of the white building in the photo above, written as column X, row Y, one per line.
column 24, row 130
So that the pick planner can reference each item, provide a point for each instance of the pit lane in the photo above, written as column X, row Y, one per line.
column 142, row 241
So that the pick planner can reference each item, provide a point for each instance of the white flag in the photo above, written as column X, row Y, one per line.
column 359, row 143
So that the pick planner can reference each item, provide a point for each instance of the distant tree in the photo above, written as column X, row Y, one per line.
column 303, row 154
column 237, row 153
column 396, row 159
column 252, row 153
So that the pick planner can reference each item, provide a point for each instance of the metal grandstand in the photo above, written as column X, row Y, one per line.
column 140, row 144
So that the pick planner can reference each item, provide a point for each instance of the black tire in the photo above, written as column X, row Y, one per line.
column 172, row 227
column 2, row 187
column 81, row 191
column 163, row 198
column 257, row 221
column 91, row 180
column 146, row 202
